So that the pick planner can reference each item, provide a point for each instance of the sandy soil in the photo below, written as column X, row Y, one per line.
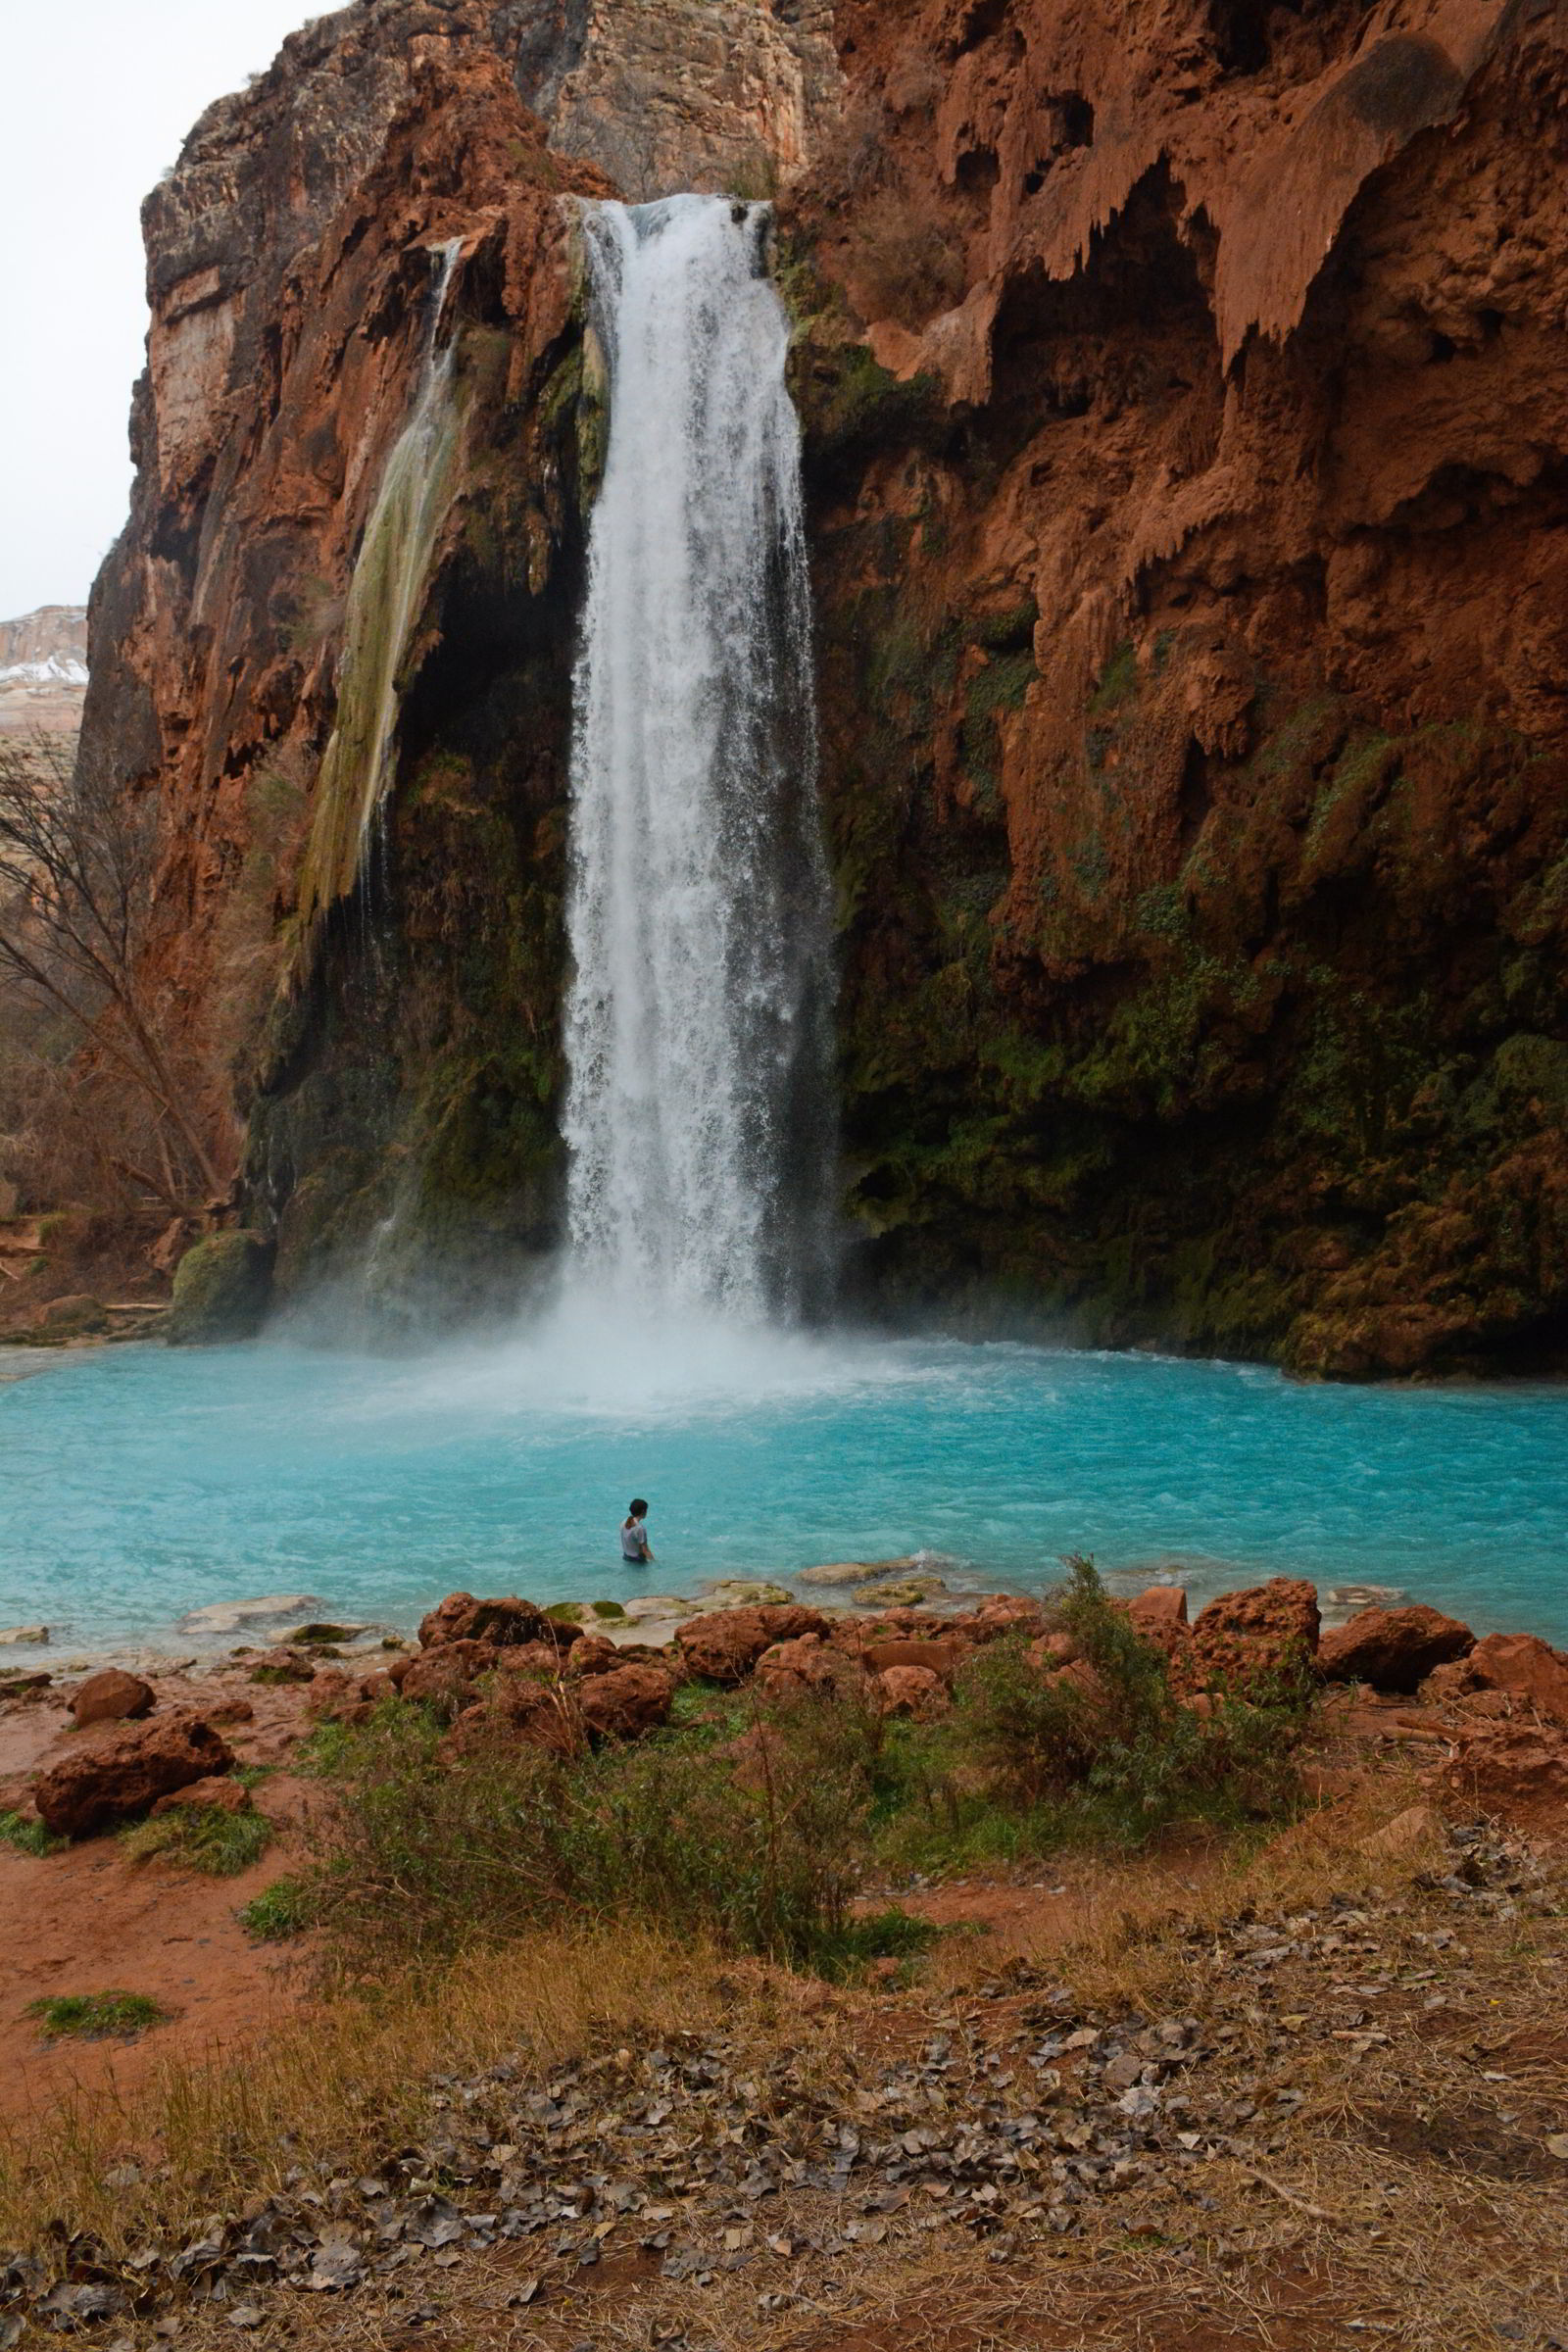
column 87, row 1920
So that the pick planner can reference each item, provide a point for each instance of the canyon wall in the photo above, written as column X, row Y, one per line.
column 1185, row 403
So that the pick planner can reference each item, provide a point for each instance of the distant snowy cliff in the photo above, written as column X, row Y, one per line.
column 43, row 671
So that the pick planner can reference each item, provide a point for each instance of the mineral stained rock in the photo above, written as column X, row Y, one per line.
column 1183, row 394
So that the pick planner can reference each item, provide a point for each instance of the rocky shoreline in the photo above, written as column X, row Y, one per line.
column 205, row 1639
column 769, row 2158
column 582, row 1673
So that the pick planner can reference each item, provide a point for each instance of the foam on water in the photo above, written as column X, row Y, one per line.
column 140, row 1482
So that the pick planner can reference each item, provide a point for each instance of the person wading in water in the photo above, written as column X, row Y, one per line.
column 634, row 1544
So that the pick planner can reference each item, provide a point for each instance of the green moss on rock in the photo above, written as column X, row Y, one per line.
column 221, row 1289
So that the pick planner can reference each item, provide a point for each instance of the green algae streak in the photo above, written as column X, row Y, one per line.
column 385, row 597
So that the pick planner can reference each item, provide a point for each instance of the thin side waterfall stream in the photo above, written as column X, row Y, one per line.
column 698, row 1025
column 390, row 576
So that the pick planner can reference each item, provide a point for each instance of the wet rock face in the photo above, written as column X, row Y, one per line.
column 402, row 1080
column 676, row 94
column 221, row 1289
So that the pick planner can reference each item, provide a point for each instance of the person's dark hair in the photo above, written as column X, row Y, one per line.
column 639, row 1508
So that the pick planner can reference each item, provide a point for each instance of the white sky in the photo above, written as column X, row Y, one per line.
column 95, row 100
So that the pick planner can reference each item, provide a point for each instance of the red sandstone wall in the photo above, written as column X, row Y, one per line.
column 1193, row 570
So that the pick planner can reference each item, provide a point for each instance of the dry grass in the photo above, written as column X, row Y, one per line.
column 346, row 2078
column 1378, row 2216
column 904, row 263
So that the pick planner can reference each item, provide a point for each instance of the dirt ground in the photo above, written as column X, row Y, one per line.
column 88, row 1919
column 1414, row 2193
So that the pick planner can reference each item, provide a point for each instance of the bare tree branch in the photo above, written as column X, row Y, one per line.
column 78, row 873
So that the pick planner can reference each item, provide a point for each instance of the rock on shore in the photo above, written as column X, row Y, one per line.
column 120, row 1778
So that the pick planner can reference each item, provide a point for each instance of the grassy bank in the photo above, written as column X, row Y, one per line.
column 752, row 1820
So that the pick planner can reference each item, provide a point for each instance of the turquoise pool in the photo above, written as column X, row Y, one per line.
column 138, row 1482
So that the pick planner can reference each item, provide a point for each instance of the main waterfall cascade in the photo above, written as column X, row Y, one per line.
column 699, row 1021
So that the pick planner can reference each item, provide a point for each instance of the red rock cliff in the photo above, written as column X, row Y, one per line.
column 1186, row 405
column 1200, row 560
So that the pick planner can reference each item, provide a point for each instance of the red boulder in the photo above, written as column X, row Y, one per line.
column 913, row 1690
column 1393, row 1649
column 593, row 1655
column 1533, row 1674
column 626, row 1701
column 211, row 1795
column 805, row 1666
column 1258, row 1630
column 441, row 1677
column 1159, row 1615
column 1004, row 1613
column 519, row 1711
column 1516, row 1770
column 123, row 1777
column 724, row 1646
column 941, row 1658
column 112, row 1698
column 541, row 1659
column 504, row 1624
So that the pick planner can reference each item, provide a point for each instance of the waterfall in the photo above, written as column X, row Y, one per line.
column 699, row 1114
column 388, row 584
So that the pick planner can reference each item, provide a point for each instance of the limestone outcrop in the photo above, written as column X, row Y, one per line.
column 43, row 672
column 1185, row 402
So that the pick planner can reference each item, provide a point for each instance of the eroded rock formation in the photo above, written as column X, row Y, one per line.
column 1186, row 401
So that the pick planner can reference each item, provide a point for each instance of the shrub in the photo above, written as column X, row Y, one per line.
column 1116, row 1753
column 200, row 1837
column 92, row 2016
column 890, row 1934
column 904, row 265
column 422, row 1859
column 285, row 1908
column 748, row 1824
